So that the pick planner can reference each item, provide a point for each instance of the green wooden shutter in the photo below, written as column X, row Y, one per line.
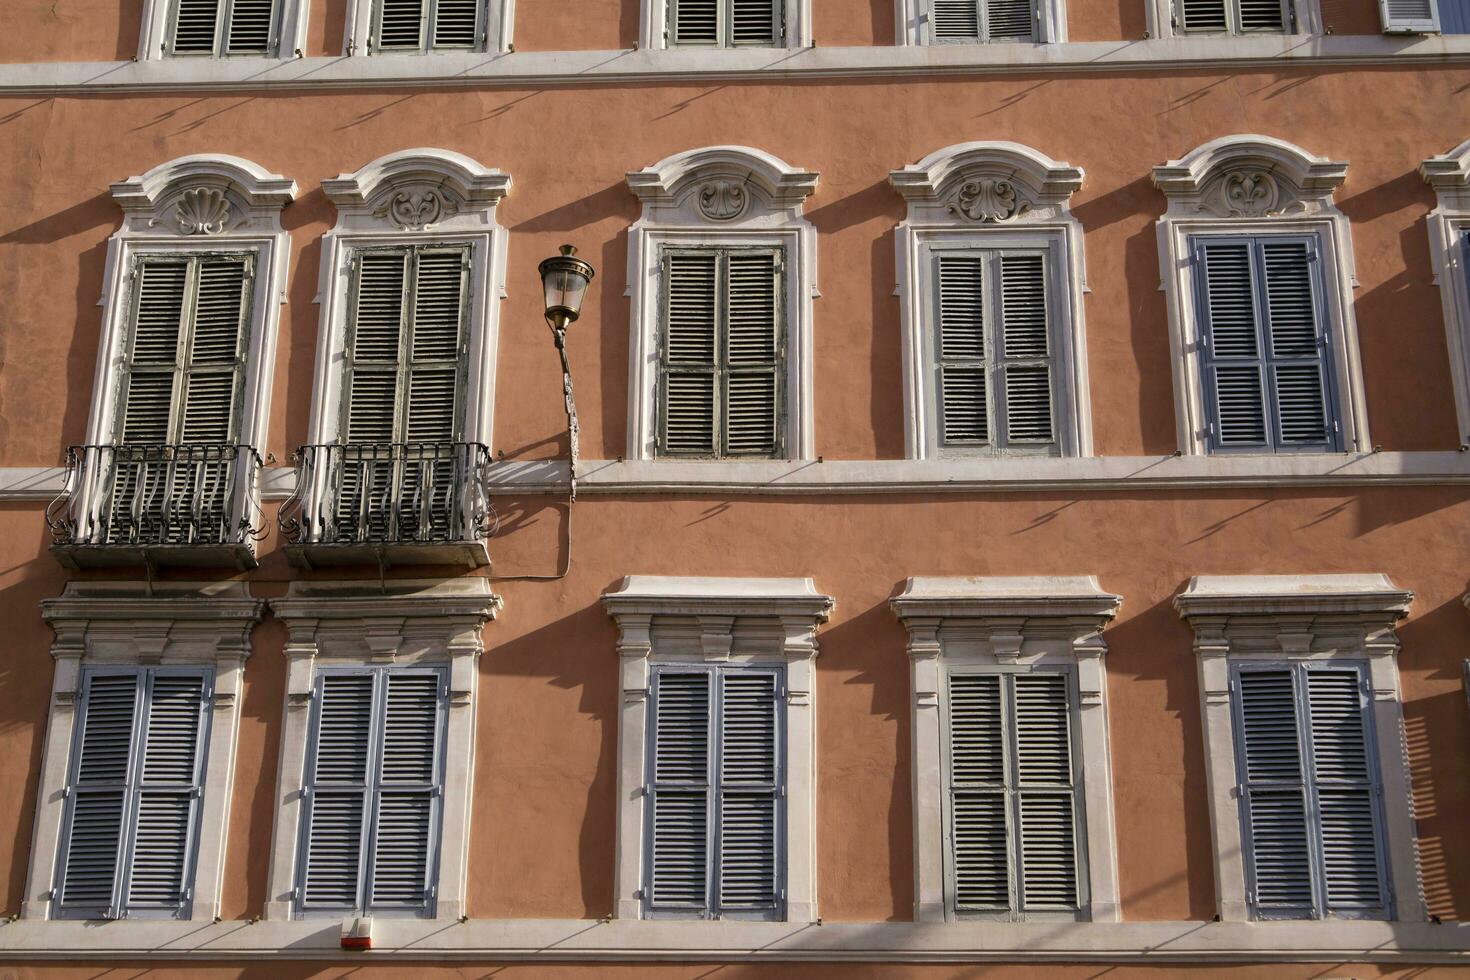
column 1044, row 790
column 1025, row 355
column 678, row 871
column 752, row 353
column 954, row 20
column 410, row 784
column 688, row 353
column 457, row 23
column 336, row 792
column 1409, row 16
column 978, row 794
column 250, row 27
column 963, row 367
column 694, row 22
column 1010, row 20
column 750, row 781
column 401, row 24
column 755, row 22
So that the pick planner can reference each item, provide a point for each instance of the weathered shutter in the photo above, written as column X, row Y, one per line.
column 1025, row 355
column 979, row 842
column 97, row 797
column 249, row 30
column 457, row 23
column 1233, row 365
column 1203, row 16
column 1410, row 16
column 678, row 873
column 755, row 22
column 1045, row 817
column 694, row 21
column 410, row 782
column 1264, row 15
column 153, row 360
column 1010, row 20
column 954, row 20
column 689, row 369
column 336, row 810
column 434, row 351
column 401, row 24
column 170, row 785
column 1346, row 789
column 1273, row 792
column 1296, row 343
column 752, row 379
column 196, row 25
column 215, row 351
column 750, row 782
column 964, row 409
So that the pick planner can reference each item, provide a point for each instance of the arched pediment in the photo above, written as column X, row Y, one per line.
column 1249, row 176
column 414, row 190
column 204, row 194
column 723, row 183
column 986, row 181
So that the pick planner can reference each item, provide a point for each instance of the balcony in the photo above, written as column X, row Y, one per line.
column 156, row 505
column 416, row 503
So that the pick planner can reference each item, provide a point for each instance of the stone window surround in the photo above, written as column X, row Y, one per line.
column 912, row 22
column 653, row 26
column 290, row 32
column 769, row 213
column 408, row 622
column 1449, row 222
column 1033, row 214
column 1008, row 622
column 1160, row 19
column 125, row 624
column 499, row 24
column 1245, row 618
column 1256, row 185
column 665, row 619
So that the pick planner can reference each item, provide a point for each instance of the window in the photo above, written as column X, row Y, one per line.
column 132, row 799
column 372, row 812
column 1303, row 735
column 723, row 273
column 1449, row 251
column 137, row 766
column 973, row 21
column 1309, row 788
column 717, row 817
column 1267, row 366
column 720, row 353
column 716, row 788
column 1257, row 266
column 373, row 788
column 223, row 27
column 990, row 290
column 1013, row 807
column 726, row 23
column 427, row 25
column 1233, row 16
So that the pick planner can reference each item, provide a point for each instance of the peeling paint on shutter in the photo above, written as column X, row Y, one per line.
column 1025, row 349
column 1010, row 20
column 753, row 316
column 1233, row 16
column 954, row 20
column 964, row 407
column 1409, row 16
column 695, row 21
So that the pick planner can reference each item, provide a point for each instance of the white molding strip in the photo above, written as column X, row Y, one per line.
column 633, row 940
column 783, row 477
column 745, row 63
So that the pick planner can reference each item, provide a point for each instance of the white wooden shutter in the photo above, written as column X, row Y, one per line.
column 1264, row 15
column 1203, row 16
column 196, row 25
column 410, row 781
column 678, row 871
column 750, row 781
column 1010, row 20
column 1025, row 355
column 401, row 24
column 1046, row 814
column 457, row 23
column 978, row 790
column 694, row 21
column 154, row 357
column 755, row 22
column 752, row 346
column 954, row 20
column 1409, row 16
column 963, row 367
column 336, row 811
column 250, row 27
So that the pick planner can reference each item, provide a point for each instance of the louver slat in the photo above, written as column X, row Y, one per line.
column 401, row 24
column 688, row 408
column 1276, row 808
column 337, row 792
column 753, row 22
column 98, row 798
column 195, row 24
column 1261, row 15
column 748, row 771
column 978, row 788
column 1010, row 20
column 172, row 781
column 405, row 824
column 954, row 20
column 679, row 863
column 1204, row 16
column 750, row 410
column 696, row 21
column 1025, row 349
column 1234, row 368
column 965, row 414
column 250, row 27
column 1344, row 777
column 1294, row 339
column 456, row 23
column 1410, row 16
column 1043, row 743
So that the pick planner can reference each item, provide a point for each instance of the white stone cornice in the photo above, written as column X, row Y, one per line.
column 661, row 595
column 1309, row 176
column 941, row 172
column 1448, row 171
column 1025, row 599
column 1287, row 595
column 668, row 181
column 416, row 190
column 206, row 194
column 362, row 600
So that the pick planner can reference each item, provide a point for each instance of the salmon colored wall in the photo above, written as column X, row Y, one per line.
column 569, row 186
column 576, row 25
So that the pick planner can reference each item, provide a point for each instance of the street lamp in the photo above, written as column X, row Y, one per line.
column 564, row 280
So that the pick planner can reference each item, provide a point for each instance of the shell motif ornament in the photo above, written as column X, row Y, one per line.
column 722, row 200
column 202, row 211
column 987, row 199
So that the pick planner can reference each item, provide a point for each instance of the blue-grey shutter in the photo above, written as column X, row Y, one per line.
column 1273, row 792
column 410, row 787
column 1025, row 354
column 1234, row 369
column 336, row 792
column 978, row 789
column 1046, row 814
column 750, row 787
column 1296, row 345
column 1417, row 16
column 963, row 368
column 679, row 792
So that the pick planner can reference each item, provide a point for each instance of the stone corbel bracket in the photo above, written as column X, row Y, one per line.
column 204, row 195
column 992, row 181
column 418, row 190
column 1249, row 176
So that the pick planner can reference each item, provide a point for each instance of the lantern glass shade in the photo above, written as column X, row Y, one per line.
column 564, row 279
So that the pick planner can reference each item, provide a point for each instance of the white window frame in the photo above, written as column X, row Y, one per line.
column 290, row 32
column 711, row 621
column 123, row 624
column 1449, row 222
column 408, row 623
column 991, row 624
column 914, row 19
column 1274, row 618
column 1159, row 15
column 1256, row 185
column 991, row 195
column 499, row 22
column 654, row 27
column 727, row 196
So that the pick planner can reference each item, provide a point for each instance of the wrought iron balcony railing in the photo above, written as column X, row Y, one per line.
column 398, row 497
column 157, row 499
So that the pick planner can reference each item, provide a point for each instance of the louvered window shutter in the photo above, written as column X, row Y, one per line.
column 223, row 27
column 457, row 23
column 694, row 22
column 133, row 794
column 1233, row 16
column 725, row 23
column 196, row 25
column 250, row 27
column 750, row 782
column 1010, row 20
column 401, row 25
column 336, row 810
column 1309, row 790
column 721, row 354
column 410, row 781
column 973, row 21
column 1203, row 16
column 680, row 792
column 954, row 20
column 1025, row 359
column 1410, row 16
column 1272, row 16
column 755, row 22
column 1013, row 806
column 1266, row 365
column 964, row 368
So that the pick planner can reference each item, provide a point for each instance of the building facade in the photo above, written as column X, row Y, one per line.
column 1020, row 516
